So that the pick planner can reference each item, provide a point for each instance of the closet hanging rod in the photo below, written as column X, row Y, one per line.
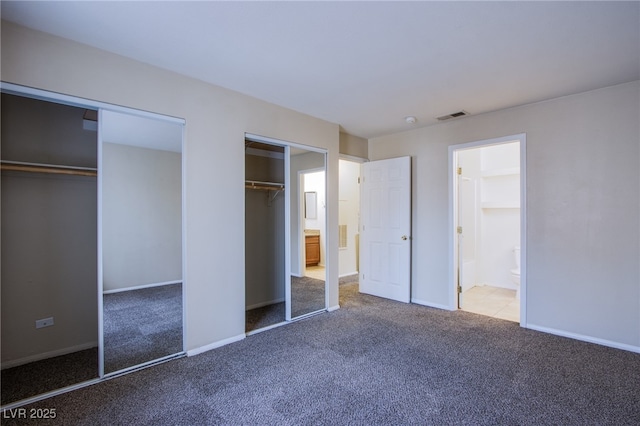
column 273, row 186
column 20, row 166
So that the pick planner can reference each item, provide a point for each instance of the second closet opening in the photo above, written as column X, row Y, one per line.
column 285, row 233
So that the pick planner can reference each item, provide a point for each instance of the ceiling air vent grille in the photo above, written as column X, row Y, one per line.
column 454, row 115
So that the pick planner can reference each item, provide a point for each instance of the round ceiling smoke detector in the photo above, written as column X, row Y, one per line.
column 410, row 119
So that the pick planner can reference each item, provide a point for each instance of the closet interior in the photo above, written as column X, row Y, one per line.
column 92, row 244
column 49, row 247
column 264, row 235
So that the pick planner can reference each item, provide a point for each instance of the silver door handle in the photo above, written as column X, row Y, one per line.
column 404, row 238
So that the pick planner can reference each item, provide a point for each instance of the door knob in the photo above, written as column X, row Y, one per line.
column 404, row 238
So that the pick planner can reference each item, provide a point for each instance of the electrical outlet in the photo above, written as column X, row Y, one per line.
column 45, row 322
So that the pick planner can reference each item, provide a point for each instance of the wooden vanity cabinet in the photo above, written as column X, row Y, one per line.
column 312, row 249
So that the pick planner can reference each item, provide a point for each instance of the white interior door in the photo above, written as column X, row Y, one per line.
column 459, row 230
column 385, row 234
column 465, row 231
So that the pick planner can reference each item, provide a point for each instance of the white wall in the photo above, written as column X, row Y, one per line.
column 141, row 216
column 349, row 214
column 216, row 122
column 499, row 220
column 583, row 209
column 353, row 146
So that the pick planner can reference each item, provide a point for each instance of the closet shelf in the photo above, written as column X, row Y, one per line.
column 18, row 166
column 268, row 186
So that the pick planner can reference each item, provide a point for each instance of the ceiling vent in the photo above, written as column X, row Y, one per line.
column 454, row 115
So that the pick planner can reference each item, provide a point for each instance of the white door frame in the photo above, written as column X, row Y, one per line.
column 453, row 207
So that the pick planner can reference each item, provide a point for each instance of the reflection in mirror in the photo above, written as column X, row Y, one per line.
column 308, row 232
column 49, row 247
column 141, row 186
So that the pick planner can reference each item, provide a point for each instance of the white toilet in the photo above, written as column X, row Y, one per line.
column 515, row 273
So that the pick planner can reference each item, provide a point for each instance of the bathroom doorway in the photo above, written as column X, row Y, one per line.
column 349, row 220
column 312, row 219
column 488, row 212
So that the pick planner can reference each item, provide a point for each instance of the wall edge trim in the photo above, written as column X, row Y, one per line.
column 584, row 338
column 215, row 345
column 431, row 305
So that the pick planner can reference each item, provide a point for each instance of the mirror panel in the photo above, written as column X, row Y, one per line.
column 308, row 231
column 141, row 239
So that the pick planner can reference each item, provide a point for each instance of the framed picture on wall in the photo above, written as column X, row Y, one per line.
column 310, row 205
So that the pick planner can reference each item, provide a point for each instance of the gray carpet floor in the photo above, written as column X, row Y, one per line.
column 46, row 375
column 139, row 326
column 307, row 295
column 264, row 316
column 142, row 325
column 374, row 362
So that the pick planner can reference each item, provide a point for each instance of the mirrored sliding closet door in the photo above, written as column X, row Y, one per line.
column 308, row 231
column 141, row 264
column 285, row 232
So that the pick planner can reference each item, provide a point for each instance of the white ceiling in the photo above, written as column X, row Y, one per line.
column 366, row 65
column 127, row 129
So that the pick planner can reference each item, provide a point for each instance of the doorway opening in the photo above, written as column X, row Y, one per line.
column 349, row 220
column 487, row 216
column 312, row 220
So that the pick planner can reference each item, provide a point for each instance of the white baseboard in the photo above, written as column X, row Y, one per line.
column 349, row 274
column 333, row 308
column 431, row 305
column 140, row 287
column 584, row 338
column 215, row 345
column 261, row 304
column 47, row 355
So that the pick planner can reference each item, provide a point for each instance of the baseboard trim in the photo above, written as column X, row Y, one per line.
column 431, row 305
column 140, row 287
column 215, row 345
column 333, row 308
column 348, row 275
column 585, row 338
column 261, row 304
column 47, row 355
